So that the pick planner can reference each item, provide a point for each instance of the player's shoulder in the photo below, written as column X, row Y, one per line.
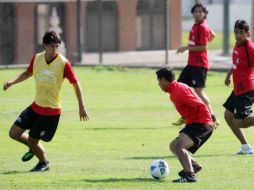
column 39, row 54
column 250, row 44
column 181, row 87
column 63, row 58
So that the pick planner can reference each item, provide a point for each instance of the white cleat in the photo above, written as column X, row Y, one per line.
column 243, row 151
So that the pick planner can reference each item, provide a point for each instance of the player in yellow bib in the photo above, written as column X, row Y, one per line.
column 49, row 69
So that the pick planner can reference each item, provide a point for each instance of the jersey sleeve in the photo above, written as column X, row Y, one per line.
column 70, row 74
column 251, row 56
column 30, row 67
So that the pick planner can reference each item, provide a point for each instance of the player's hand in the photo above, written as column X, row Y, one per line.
column 7, row 85
column 181, row 50
column 227, row 81
column 83, row 114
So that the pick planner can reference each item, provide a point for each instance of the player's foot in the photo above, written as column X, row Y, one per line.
column 196, row 168
column 246, row 150
column 179, row 122
column 215, row 121
column 185, row 179
column 41, row 167
column 27, row 156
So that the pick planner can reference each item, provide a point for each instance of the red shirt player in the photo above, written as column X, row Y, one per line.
column 238, row 105
column 199, row 124
column 194, row 74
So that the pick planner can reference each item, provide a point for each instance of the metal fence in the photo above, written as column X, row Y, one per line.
column 109, row 32
column 91, row 31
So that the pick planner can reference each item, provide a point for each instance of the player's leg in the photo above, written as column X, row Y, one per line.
column 200, row 92
column 237, row 115
column 195, row 165
column 17, row 133
column 238, row 132
column 198, row 78
column 37, row 148
column 43, row 129
column 247, row 122
column 39, row 151
column 182, row 143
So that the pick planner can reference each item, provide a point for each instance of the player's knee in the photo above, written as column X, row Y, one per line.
column 172, row 147
column 228, row 117
column 12, row 133
column 179, row 146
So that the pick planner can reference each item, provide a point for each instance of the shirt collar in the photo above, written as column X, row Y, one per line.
column 200, row 22
column 171, row 86
column 247, row 41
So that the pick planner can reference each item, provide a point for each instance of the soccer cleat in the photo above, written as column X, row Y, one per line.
column 216, row 122
column 179, row 122
column 197, row 168
column 28, row 156
column 243, row 151
column 185, row 179
column 41, row 167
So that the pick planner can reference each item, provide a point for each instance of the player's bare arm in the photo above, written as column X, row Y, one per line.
column 227, row 79
column 212, row 35
column 82, row 110
column 23, row 76
column 191, row 48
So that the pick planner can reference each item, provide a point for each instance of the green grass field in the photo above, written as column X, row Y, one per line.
column 130, row 126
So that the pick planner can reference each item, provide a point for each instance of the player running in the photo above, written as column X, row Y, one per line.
column 49, row 69
column 194, row 74
column 238, row 105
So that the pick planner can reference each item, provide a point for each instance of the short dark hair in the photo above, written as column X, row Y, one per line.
column 201, row 6
column 167, row 73
column 51, row 37
column 242, row 25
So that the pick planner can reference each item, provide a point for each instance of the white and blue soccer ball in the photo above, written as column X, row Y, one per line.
column 159, row 169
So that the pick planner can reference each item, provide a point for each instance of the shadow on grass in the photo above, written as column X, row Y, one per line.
column 117, row 180
column 124, row 128
column 14, row 172
column 150, row 157
column 174, row 157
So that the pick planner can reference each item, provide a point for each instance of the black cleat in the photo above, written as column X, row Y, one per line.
column 196, row 169
column 185, row 179
column 41, row 167
column 28, row 156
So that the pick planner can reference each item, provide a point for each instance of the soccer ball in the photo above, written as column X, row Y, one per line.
column 159, row 169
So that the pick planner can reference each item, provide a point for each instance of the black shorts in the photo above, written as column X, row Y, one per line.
column 240, row 105
column 193, row 76
column 40, row 126
column 199, row 133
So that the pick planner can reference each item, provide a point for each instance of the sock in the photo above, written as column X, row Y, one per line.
column 246, row 146
column 190, row 174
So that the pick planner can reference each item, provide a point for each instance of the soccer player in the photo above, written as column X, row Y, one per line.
column 199, row 125
column 194, row 74
column 238, row 105
column 49, row 69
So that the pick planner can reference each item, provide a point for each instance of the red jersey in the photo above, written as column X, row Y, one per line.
column 58, row 70
column 243, row 67
column 199, row 35
column 188, row 104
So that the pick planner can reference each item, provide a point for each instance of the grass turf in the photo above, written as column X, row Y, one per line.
column 130, row 126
